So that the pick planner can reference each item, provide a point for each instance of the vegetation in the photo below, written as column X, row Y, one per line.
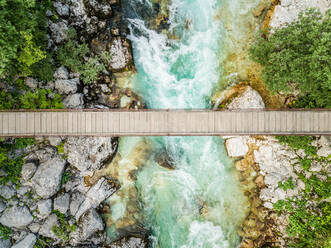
column 23, row 36
column 10, row 162
column 73, row 55
column 65, row 177
column 298, row 56
column 5, row 232
column 309, row 223
column 63, row 230
column 39, row 99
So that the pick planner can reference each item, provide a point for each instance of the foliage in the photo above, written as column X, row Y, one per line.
column 5, row 232
column 309, row 222
column 39, row 99
column 65, row 177
column 29, row 53
column 298, row 56
column 72, row 55
column 64, row 228
column 298, row 142
column 10, row 163
column 23, row 34
column 42, row 242
column 288, row 184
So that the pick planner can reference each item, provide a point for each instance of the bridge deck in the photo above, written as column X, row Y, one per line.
column 163, row 122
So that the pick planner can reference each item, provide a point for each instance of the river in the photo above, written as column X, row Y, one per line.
column 198, row 202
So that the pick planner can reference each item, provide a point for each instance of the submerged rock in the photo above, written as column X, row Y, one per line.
column 18, row 217
column 46, row 181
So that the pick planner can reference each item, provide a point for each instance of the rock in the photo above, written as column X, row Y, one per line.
column 236, row 147
column 27, row 242
column 66, row 86
column 54, row 141
column 324, row 151
column 2, row 206
column 100, row 8
column 45, row 154
column 96, row 194
column 46, row 228
column 289, row 10
column 249, row 99
column 22, row 190
column 120, row 54
column 272, row 179
column 59, row 31
column 89, row 225
column 323, row 141
column 7, row 192
column 260, row 181
column 5, row 243
column 46, row 181
column 31, row 83
column 44, row 208
column 315, row 166
column 88, row 153
column 129, row 242
column 34, row 227
column 61, row 73
column 61, row 9
column 125, row 102
column 28, row 170
column 18, row 217
column 74, row 101
column 77, row 199
column 61, row 203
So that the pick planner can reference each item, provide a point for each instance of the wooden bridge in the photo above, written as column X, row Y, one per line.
column 163, row 122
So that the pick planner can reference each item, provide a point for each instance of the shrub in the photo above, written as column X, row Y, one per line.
column 298, row 56
column 72, row 55
column 23, row 34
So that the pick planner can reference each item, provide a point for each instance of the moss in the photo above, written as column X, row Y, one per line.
column 5, row 232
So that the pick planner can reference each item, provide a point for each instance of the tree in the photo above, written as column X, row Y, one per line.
column 298, row 56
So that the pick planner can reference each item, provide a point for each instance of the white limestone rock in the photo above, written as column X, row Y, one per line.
column 46, row 181
column 44, row 208
column 46, row 228
column 249, row 99
column 27, row 242
column 28, row 170
column 61, row 203
column 236, row 147
column 120, row 54
column 66, row 86
column 61, row 73
column 16, row 216
column 74, row 101
column 89, row 225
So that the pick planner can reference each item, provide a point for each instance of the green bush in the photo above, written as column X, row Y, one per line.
column 298, row 56
column 12, row 165
column 23, row 32
column 39, row 99
column 72, row 55
column 298, row 142
column 5, row 232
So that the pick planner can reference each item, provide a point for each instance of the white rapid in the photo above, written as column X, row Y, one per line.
column 199, row 203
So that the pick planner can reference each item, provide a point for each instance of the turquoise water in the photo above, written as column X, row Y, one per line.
column 199, row 203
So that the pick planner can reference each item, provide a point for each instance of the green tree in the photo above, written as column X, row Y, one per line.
column 298, row 56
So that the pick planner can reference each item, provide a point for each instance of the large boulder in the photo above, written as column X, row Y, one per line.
column 27, row 242
column 74, row 101
column 59, row 31
column 88, row 153
column 236, row 146
column 100, row 8
column 66, row 86
column 16, row 216
column 89, row 225
column 249, row 99
column 95, row 195
column 120, row 54
column 47, row 179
